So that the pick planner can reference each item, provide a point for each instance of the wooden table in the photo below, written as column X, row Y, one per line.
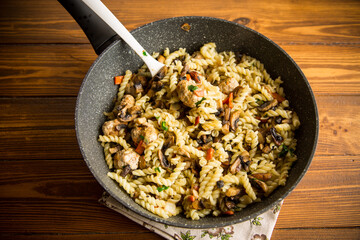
column 47, row 191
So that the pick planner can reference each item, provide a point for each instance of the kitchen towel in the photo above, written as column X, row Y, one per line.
column 258, row 228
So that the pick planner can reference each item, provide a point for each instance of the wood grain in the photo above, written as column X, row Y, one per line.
column 63, row 194
column 58, row 70
column 289, row 22
column 44, row 127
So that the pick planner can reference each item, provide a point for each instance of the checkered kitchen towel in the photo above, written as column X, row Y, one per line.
column 259, row 228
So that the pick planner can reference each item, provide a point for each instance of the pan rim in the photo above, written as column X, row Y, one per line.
column 192, row 224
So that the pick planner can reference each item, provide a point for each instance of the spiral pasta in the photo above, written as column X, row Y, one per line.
column 210, row 134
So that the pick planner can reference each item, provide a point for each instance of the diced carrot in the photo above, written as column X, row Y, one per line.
column 278, row 97
column 188, row 77
column 209, row 154
column 191, row 198
column 226, row 100
column 229, row 212
column 140, row 147
column 197, row 120
column 231, row 99
column 199, row 92
column 118, row 80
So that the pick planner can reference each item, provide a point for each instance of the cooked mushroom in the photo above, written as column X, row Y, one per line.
column 114, row 149
column 155, row 87
column 220, row 183
column 136, row 85
column 185, row 70
column 163, row 161
column 143, row 163
column 228, row 85
column 258, row 184
column 278, row 119
column 186, row 93
column 230, row 204
column 110, row 128
column 267, row 105
column 169, row 140
column 145, row 132
column 225, row 129
column 234, row 119
column 160, row 75
column 245, row 160
column 262, row 176
column 278, row 139
column 130, row 114
column 236, row 166
column 125, row 171
column 126, row 157
column 183, row 152
column 233, row 191
column 237, row 91
column 227, row 113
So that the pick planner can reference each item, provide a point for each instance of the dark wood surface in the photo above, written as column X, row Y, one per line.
column 46, row 189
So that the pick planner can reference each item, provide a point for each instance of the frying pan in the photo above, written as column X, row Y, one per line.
column 115, row 57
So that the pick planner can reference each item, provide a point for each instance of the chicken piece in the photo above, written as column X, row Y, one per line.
column 145, row 132
column 228, row 85
column 126, row 157
column 188, row 92
column 127, row 110
column 112, row 128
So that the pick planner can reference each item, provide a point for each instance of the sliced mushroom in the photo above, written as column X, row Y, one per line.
column 130, row 114
column 233, row 191
column 262, row 176
column 227, row 113
column 185, row 70
column 236, row 166
column 225, row 129
column 278, row 119
column 169, row 140
column 136, row 85
column 163, row 161
column 267, row 105
column 142, row 163
column 125, row 171
column 278, row 139
column 126, row 157
column 245, row 160
column 234, row 119
column 237, row 91
column 259, row 184
column 220, row 183
column 229, row 204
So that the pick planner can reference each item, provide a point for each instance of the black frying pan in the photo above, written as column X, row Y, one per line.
column 98, row 90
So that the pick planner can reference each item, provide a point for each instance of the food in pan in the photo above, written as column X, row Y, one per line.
column 210, row 134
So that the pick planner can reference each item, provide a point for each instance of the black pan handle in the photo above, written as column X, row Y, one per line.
column 97, row 31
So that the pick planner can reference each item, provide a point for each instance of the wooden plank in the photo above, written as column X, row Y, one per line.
column 285, row 22
column 44, row 127
column 278, row 234
column 317, row 233
column 63, row 195
column 58, row 70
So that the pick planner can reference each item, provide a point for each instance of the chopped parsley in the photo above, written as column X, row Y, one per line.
column 192, row 88
column 157, row 169
column 260, row 102
column 162, row 188
column 142, row 137
column 144, row 53
column 157, row 118
column 163, row 126
column 197, row 103
column 285, row 150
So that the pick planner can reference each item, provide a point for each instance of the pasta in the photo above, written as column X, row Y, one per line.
column 210, row 134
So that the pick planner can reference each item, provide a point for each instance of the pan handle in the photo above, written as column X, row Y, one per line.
column 97, row 31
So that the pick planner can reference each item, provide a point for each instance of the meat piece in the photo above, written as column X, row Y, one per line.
column 145, row 132
column 111, row 128
column 126, row 157
column 228, row 85
column 185, row 90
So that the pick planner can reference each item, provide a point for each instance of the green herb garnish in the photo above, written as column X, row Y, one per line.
column 142, row 137
column 192, row 88
column 162, row 188
column 197, row 103
column 291, row 150
column 157, row 169
column 284, row 151
column 157, row 118
column 260, row 102
column 144, row 53
column 163, row 126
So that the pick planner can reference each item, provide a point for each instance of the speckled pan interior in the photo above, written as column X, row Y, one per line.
column 98, row 90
